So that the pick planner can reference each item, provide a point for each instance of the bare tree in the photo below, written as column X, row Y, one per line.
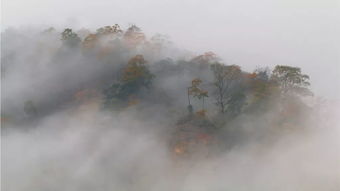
column 226, row 79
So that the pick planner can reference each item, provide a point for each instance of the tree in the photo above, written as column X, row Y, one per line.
column 197, row 91
column 236, row 101
column 207, row 57
column 262, row 74
column 134, row 36
column 291, row 80
column 135, row 76
column 261, row 86
column 157, row 44
column 227, row 81
column 90, row 41
column 137, row 73
column 109, row 30
column 70, row 38
column 49, row 30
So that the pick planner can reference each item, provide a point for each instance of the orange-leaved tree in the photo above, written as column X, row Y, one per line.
column 135, row 76
column 196, row 91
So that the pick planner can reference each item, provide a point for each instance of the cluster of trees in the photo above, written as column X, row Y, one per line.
column 134, row 76
column 232, row 89
column 132, row 37
column 70, row 38
column 234, row 92
column 124, row 67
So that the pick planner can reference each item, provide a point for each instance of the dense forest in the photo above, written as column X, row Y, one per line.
column 113, row 108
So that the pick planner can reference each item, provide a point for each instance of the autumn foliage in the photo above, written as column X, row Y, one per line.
column 205, row 94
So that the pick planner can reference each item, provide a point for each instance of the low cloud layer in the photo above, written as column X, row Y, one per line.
column 85, row 150
column 62, row 131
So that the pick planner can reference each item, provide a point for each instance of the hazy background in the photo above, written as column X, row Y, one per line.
column 81, row 147
column 302, row 33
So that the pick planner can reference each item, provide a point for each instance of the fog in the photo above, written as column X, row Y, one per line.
column 66, row 126
column 248, row 33
column 79, row 151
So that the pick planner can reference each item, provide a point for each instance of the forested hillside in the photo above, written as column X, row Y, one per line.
column 112, row 103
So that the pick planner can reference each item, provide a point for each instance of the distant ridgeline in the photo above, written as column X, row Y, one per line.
column 126, row 69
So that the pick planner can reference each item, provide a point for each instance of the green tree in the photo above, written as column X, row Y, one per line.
column 291, row 80
column 135, row 76
column 261, row 87
column 70, row 38
column 137, row 72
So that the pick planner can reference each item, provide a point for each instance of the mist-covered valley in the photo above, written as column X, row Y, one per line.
column 117, row 109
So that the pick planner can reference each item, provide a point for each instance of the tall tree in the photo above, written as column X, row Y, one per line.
column 135, row 76
column 196, row 91
column 137, row 72
column 134, row 36
column 227, row 80
column 291, row 80
column 261, row 86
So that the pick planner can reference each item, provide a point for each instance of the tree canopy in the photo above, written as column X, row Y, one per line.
column 291, row 80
